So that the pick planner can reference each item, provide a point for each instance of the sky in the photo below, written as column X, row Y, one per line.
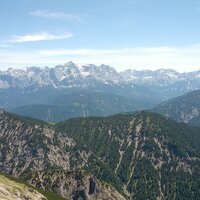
column 126, row 34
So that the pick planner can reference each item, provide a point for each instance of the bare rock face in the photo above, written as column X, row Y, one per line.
column 75, row 185
column 27, row 146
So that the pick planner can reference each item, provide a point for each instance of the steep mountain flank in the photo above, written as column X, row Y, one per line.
column 154, row 157
column 185, row 108
column 26, row 146
column 143, row 156
column 29, row 145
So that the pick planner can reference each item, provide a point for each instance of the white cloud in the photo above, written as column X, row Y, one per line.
column 38, row 37
column 178, row 58
column 56, row 15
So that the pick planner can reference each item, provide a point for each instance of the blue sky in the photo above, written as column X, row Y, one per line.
column 139, row 34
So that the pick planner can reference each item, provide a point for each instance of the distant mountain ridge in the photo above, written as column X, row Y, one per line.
column 73, row 75
column 34, row 85
column 67, row 75
column 25, row 91
column 81, row 105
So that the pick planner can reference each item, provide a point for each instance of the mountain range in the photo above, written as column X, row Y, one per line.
column 70, row 90
column 90, row 151
column 71, row 75
column 139, row 156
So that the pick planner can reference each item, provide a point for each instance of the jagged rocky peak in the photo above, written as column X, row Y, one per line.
column 69, row 66
column 67, row 71
column 161, row 77
column 67, row 75
column 102, row 73
column 110, row 73
column 73, row 75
